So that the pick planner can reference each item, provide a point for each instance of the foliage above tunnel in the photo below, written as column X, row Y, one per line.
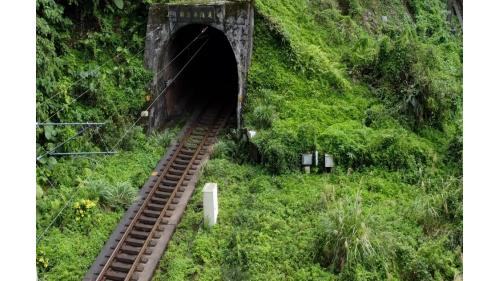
column 373, row 83
column 89, row 69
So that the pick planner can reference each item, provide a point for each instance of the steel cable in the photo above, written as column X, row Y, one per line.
column 86, row 91
column 99, row 67
column 73, row 194
column 162, row 92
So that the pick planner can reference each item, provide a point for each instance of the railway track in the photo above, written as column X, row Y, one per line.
column 136, row 246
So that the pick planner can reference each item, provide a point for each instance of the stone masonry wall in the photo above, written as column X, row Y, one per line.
column 235, row 20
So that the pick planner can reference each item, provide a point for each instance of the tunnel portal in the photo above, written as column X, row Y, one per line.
column 201, row 69
column 201, row 52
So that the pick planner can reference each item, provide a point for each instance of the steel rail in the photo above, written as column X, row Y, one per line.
column 165, row 208
column 143, row 206
column 82, row 153
column 161, row 93
column 133, row 249
column 38, row 124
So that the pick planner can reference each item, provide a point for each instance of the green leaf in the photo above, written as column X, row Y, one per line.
column 119, row 4
column 50, row 132
column 39, row 192
column 42, row 160
column 52, row 161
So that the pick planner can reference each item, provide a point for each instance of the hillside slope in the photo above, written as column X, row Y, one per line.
column 376, row 83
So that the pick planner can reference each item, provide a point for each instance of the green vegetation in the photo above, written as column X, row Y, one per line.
column 366, row 226
column 385, row 99
column 97, row 191
column 376, row 83
column 89, row 69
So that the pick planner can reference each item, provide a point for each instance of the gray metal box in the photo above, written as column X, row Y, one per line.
column 328, row 161
column 307, row 159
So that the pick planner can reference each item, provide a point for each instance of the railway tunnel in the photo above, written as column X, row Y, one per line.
column 202, row 52
column 199, row 55
column 201, row 70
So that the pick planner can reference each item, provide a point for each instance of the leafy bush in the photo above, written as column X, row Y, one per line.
column 354, row 145
column 277, row 156
column 413, row 77
column 440, row 262
column 307, row 137
column 430, row 261
column 164, row 139
column 441, row 208
column 349, row 7
column 237, row 260
column 223, row 149
column 95, row 187
column 42, row 262
column 259, row 184
column 87, row 71
column 454, row 150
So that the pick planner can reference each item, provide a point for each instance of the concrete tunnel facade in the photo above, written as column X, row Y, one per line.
column 202, row 52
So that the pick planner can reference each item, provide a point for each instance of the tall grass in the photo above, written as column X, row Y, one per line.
column 345, row 236
column 114, row 196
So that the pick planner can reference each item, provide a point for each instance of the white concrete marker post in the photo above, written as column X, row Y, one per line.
column 251, row 134
column 210, row 203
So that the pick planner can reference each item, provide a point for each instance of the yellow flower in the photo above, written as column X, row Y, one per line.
column 43, row 262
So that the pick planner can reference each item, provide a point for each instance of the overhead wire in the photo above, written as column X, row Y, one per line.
column 73, row 194
column 70, row 200
column 135, row 123
column 99, row 67
column 70, row 124
column 162, row 92
column 63, row 143
column 102, row 139
column 86, row 91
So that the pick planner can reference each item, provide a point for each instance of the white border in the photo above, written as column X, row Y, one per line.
column 17, row 147
column 481, row 140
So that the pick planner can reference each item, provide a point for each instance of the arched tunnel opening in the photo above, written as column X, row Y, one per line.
column 201, row 71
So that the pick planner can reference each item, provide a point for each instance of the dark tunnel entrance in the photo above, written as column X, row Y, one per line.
column 202, row 70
